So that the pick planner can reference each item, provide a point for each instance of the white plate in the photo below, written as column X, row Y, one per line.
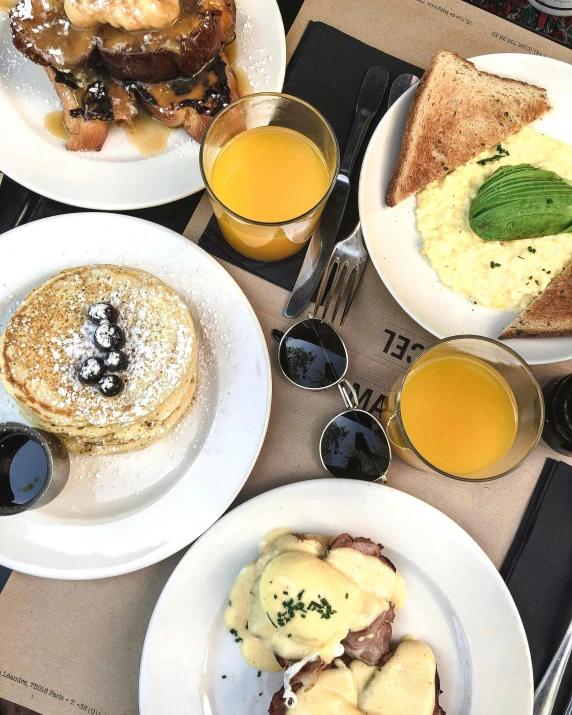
column 391, row 234
column 457, row 603
column 119, row 513
column 118, row 177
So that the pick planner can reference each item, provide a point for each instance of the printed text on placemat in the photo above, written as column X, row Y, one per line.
column 396, row 353
column 38, row 687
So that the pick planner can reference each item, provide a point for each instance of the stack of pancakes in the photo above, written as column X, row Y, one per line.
column 50, row 334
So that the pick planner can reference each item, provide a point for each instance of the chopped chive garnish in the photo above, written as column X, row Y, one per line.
column 499, row 155
column 292, row 607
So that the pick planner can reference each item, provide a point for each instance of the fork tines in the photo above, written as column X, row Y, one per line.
column 337, row 276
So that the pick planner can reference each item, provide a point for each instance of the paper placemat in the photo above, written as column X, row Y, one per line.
column 69, row 646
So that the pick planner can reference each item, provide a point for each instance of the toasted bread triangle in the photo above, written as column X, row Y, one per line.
column 457, row 112
column 549, row 316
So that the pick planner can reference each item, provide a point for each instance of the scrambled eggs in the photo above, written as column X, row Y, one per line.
column 498, row 274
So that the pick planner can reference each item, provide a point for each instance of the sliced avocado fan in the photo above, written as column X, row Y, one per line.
column 521, row 202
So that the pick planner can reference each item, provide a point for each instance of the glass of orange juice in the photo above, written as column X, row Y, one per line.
column 468, row 407
column 269, row 162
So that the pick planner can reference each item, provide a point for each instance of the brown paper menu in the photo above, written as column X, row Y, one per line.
column 76, row 646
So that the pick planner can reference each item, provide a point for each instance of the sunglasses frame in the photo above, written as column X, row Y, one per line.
column 303, row 387
column 349, row 397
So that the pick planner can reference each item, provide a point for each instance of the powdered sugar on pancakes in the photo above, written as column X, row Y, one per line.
column 42, row 355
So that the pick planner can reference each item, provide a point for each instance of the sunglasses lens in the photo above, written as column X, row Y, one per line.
column 312, row 354
column 354, row 446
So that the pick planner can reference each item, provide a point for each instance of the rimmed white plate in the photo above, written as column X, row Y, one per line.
column 457, row 603
column 391, row 234
column 118, row 177
column 119, row 513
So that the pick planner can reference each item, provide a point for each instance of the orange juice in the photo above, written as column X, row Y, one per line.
column 459, row 413
column 270, row 174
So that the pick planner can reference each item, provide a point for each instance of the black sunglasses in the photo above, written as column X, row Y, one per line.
column 353, row 445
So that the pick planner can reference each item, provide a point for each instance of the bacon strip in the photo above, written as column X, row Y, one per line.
column 373, row 642
column 361, row 544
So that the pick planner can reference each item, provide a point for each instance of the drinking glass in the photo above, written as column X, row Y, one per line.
column 525, row 388
column 256, row 239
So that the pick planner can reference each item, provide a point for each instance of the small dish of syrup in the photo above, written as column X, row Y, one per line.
column 34, row 468
column 23, row 469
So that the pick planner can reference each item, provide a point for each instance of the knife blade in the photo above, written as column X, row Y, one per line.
column 324, row 238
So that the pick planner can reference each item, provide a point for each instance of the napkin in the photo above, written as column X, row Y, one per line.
column 20, row 205
column 538, row 570
column 4, row 576
column 326, row 70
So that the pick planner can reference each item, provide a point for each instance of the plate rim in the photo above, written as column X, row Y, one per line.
column 172, row 546
column 470, row 544
column 545, row 360
column 90, row 202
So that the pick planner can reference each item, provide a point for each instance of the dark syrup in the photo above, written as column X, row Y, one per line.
column 23, row 469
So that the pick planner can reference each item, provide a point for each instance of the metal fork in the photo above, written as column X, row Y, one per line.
column 344, row 271
column 547, row 692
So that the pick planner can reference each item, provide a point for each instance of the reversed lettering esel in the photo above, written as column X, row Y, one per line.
column 401, row 347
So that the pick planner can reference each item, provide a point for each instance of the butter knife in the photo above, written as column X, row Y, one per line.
column 401, row 85
column 324, row 239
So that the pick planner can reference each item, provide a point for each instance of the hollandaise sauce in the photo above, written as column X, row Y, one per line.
column 405, row 685
column 299, row 600
column 236, row 620
column 459, row 413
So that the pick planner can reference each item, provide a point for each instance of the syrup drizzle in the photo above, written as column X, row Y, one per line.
column 54, row 123
column 147, row 134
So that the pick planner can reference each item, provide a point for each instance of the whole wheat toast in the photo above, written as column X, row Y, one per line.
column 457, row 112
column 549, row 316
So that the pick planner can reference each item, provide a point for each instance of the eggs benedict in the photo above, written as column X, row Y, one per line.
column 313, row 598
column 405, row 683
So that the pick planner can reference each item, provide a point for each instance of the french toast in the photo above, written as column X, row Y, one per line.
column 50, row 335
column 84, row 134
column 191, row 103
column 100, row 71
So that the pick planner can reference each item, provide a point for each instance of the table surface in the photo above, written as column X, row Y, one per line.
column 518, row 11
